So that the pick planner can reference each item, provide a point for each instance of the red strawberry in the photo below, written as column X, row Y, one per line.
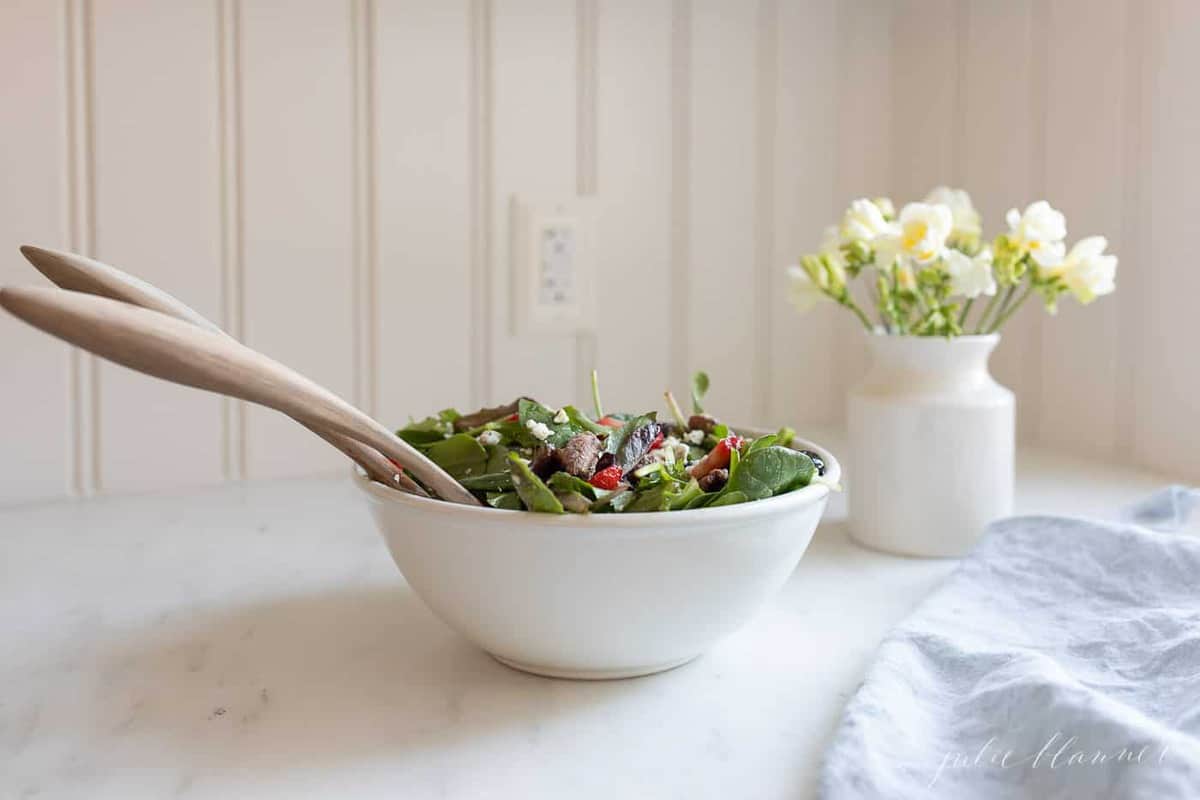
column 607, row 478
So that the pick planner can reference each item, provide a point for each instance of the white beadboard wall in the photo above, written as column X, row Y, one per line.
column 330, row 179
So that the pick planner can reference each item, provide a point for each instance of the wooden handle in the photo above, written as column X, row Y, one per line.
column 80, row 274
column 178, row 351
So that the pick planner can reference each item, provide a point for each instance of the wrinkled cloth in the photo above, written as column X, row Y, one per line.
column 1061, row 659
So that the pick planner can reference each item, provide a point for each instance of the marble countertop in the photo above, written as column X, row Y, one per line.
column 256, row 641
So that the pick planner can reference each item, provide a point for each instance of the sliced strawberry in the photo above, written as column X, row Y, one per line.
column 608, row 478
column 718, row 457
column 512, row 418
column 658, row 441
column 610, row 422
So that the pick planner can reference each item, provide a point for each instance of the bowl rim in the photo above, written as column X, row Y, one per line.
column 808, row 495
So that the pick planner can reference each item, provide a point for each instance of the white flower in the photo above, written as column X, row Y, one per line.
column 970, row 277
column 560, row 417
column 540, row 430
column 1087, row 271
column 863, row 222
column 920, row 237
column 831, row 246
column 1040, row 231
column 803, row 293
column 966, row 219
column 489, row 437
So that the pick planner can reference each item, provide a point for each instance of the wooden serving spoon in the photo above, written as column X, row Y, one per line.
column 169, row 348
column 80, row 274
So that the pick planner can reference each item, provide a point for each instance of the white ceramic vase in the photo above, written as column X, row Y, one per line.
column 931, row 446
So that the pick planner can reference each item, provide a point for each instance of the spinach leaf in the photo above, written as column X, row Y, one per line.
column 425, row 432
column 488, row 482
column 497, row 458
column 729, row 499
column 460, row 455
column 534, row 494
column 699, row 389
column 580, row 420
column 562, row 482
column 508, row 500
column 614, row 502
column 574, row 502
column 656, row 498
column 560, row 432
column 702, row 500
column 769, row 471
column 761, row 442
column 689, row 493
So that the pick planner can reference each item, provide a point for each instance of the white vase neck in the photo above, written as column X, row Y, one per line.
column 957, row 362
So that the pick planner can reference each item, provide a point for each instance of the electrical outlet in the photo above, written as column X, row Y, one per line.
column 553, row 249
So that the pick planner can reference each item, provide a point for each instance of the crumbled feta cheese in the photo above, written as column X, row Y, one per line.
column 561, row 417
column 540, row 430
column 489, row 437
column 695, row 437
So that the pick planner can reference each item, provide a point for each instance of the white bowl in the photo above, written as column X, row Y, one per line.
column 602, row 595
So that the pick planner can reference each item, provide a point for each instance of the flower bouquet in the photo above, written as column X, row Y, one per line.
column 924, row 269
column 922, row 274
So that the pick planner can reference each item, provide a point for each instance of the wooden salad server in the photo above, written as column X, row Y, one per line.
column 80, row 274
column 169, row 348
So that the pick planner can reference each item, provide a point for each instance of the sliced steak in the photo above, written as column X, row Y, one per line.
column 580, row 454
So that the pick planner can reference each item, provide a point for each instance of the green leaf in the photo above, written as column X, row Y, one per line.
column 497, row 460
column 574, row 502
column 489, row 482
column 699, row 389
column 656, row 498
column 508, row 500
column 460, row 455
column 785, row 436
column 761, row 442
column 562, row 482
column 729, row 499
column 596, row 396
column 534, row 493
column 614, row 502
column 581, row 421
column 689, row 493
column 560, row 432
column 769, row 471
column 702, row 500
column 426, row 432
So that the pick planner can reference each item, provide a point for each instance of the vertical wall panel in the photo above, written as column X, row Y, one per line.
column 924, row 81
column 864, row 125
column 1167, row 382
column 533, row 153
column 1084, row 129
column 157, row 215
column 423, row 282
column 803, row 348
column 721, row 283
column 1001, row 161
column 297, row 117
column 33, row 403
column 633, row 152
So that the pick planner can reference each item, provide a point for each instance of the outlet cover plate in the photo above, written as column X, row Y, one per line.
column 553, row 265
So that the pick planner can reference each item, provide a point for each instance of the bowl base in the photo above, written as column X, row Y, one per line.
column 551, row 671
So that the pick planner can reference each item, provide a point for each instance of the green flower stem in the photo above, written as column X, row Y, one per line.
column 848, row 301
column 962, row 318
column 1004, row 315
column 987, row 312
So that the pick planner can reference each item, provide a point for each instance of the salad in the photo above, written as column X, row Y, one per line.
column 528, row 456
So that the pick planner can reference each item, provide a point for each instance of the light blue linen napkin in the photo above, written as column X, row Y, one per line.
column 1060, row 660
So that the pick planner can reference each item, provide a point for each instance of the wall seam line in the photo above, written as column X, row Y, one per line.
column 586, row 177
column 680, row 197
column 479, row 188
column 766, row 113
